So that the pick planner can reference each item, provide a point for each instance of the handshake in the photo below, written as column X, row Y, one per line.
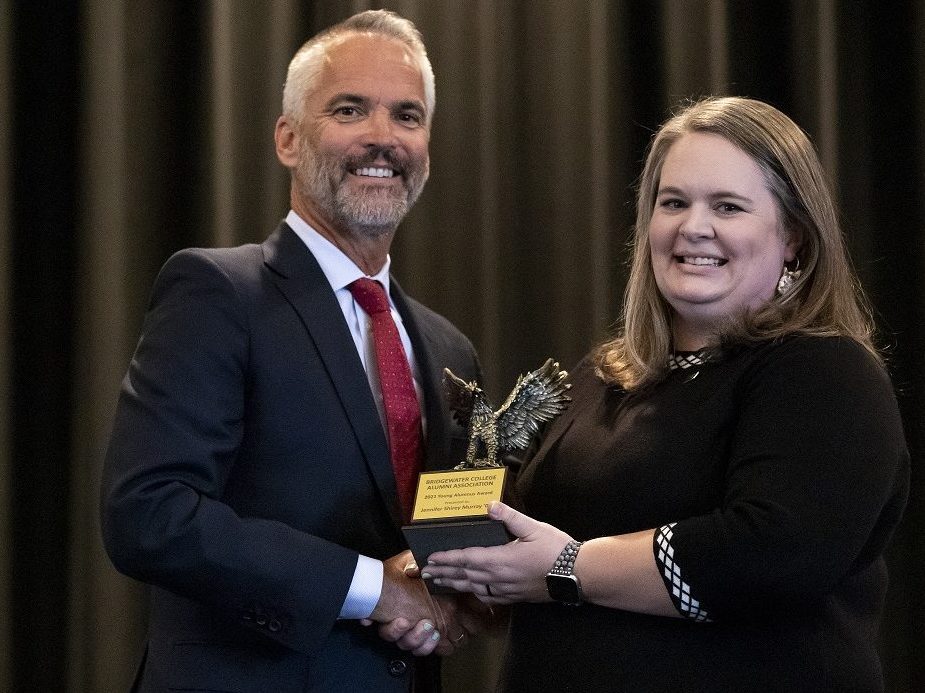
column 420, row 622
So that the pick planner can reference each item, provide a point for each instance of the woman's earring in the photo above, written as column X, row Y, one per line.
column 788, row 278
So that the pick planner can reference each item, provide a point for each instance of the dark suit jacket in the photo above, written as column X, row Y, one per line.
column 248, row 468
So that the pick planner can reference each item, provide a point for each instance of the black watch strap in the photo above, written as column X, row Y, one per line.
column 565, row 563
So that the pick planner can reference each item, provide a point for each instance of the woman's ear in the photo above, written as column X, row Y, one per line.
column 794, row 243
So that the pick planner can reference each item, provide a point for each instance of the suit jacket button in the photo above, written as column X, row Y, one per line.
column 398, row 667
column 274, row 626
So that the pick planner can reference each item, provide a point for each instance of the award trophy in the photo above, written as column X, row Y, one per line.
column 450, row 507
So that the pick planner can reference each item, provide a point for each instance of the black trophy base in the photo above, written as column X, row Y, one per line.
column 428, row 537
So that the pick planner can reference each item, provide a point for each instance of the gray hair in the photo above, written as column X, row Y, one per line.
column 307, row 62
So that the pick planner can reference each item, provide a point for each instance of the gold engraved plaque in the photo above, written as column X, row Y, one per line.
column 455, row 494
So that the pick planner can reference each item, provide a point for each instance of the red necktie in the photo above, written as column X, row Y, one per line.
column 402, row 412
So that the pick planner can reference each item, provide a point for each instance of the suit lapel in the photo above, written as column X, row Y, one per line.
column 300, row 279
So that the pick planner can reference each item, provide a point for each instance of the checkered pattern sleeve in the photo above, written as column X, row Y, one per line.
column 679, row 591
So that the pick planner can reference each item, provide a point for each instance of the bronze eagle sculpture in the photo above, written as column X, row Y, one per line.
column 537, row 397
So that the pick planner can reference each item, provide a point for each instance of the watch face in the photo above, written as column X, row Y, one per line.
column 564, row 588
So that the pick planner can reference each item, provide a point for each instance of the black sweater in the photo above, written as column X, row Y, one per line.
column 785, row 468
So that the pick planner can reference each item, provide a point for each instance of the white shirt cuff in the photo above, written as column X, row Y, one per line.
column 365, row 589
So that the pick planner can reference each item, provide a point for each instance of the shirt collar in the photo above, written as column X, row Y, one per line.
column 339, row 269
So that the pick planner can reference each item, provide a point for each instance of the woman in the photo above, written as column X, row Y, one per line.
column 719, row 495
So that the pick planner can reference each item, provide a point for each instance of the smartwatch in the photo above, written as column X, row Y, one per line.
column 561, row 583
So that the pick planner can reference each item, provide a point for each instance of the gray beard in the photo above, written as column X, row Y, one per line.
column 371, row 212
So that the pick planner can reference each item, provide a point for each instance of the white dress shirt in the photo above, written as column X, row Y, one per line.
column 341, row 271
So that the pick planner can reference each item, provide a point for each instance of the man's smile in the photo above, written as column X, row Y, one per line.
column 377, row 172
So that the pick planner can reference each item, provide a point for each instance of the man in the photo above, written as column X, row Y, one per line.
column 253, row 477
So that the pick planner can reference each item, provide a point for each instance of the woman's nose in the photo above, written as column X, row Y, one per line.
column 697, row 223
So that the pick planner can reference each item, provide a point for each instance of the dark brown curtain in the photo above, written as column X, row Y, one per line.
column 130, row 129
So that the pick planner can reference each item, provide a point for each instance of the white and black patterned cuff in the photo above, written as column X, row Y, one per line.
column 679, row 590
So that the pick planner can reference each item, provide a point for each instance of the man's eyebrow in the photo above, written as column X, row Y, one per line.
column 358, row 100
column 410, row 105
column 346, row 97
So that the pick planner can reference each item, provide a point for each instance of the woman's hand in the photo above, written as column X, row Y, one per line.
column 514, row 572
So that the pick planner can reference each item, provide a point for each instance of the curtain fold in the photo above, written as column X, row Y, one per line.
column 250, row 45
column 6, row 253
column 129, row 130
column 106, row 611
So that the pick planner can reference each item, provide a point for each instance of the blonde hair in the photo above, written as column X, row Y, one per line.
column 307, row 62
column 826, row 300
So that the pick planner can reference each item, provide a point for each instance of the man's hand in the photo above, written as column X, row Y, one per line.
column 406, row 611
column 419, row 623
column 404, row 594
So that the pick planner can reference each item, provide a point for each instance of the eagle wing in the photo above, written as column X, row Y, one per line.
column 537, row 397
column 459, row 397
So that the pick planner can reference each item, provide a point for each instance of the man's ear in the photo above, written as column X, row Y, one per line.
column 287, row 142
